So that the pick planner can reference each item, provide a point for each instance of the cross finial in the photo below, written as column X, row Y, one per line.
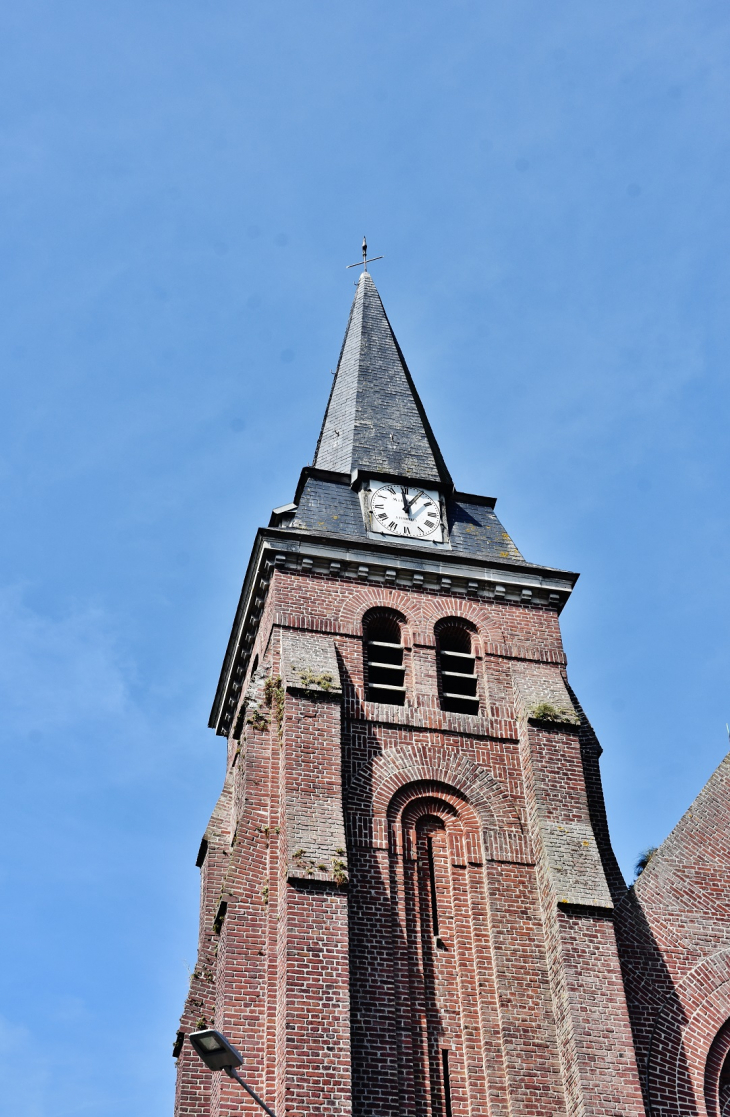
column 365, row 260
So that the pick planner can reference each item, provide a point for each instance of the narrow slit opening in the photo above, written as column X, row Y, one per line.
column 447, row 1083
column 432, row 879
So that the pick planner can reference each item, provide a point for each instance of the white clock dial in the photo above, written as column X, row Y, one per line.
column 399, row 510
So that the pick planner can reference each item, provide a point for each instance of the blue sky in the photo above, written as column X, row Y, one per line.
column 182, row 185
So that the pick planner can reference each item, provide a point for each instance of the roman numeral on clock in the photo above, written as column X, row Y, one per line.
column 401, row 510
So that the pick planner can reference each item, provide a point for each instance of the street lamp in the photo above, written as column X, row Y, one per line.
column 218, row 1054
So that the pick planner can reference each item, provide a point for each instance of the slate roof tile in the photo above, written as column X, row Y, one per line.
column 333, row 507
column 375, row 419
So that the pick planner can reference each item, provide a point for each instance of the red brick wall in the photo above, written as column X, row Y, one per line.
column 673, row 932
column 337, row 992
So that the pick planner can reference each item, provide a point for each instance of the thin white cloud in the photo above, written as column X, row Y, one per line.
column 55, row 671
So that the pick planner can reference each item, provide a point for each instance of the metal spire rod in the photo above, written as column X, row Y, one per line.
column 364, row 262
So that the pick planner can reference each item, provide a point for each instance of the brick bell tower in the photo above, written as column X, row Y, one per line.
column 407, row 882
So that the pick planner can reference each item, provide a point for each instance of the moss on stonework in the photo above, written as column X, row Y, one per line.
column 274, row 699
column 310, row 681
column 306, row 866
column 303, row 863
column 339, row 871
column 545, row 711
column 258, row 721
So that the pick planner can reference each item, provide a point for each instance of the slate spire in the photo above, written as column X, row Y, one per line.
column 374, row 418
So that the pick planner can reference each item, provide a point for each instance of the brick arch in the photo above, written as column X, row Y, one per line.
column 401, row 766
column 462, row 609
column 436, row 610
column 380, row 780
column 431, row 796
column 383, row 610
column 427, row 801
column 414, row 797
column 686, row 1028
column 386, row 611
column 421, row 800
column 454, row 620
column 358, row 603
column 437, row 884
column 422, row 610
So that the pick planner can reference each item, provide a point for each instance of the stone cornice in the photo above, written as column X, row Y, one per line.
column 378, row 563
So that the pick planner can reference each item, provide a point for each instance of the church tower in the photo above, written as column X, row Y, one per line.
column 407, row 883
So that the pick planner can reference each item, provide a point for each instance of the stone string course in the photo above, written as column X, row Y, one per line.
column 473, row 587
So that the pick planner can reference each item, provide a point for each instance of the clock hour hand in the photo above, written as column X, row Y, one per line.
column 410, row 503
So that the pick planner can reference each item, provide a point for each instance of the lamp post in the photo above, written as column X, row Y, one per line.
column 218, row 1054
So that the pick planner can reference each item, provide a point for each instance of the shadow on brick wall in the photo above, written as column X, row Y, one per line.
column 390, row 1030
column 650, row 992
column 652, row 998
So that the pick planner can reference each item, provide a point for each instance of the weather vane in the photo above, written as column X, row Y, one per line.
column 364, row 262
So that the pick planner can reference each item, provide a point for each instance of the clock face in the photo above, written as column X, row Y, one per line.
column 399, row 510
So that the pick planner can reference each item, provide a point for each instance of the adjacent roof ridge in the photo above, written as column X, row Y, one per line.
column 713, row 792
column 374, row 418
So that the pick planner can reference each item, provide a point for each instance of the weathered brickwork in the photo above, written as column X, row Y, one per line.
column 327, row 970
column 409, row 910
column 673, row 930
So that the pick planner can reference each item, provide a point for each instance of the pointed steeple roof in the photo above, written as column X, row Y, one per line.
column 374, row 419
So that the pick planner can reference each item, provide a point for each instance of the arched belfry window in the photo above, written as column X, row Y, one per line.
column 457, row 674
column 717, row 1074
column 723, row 1091
column 384, row 670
